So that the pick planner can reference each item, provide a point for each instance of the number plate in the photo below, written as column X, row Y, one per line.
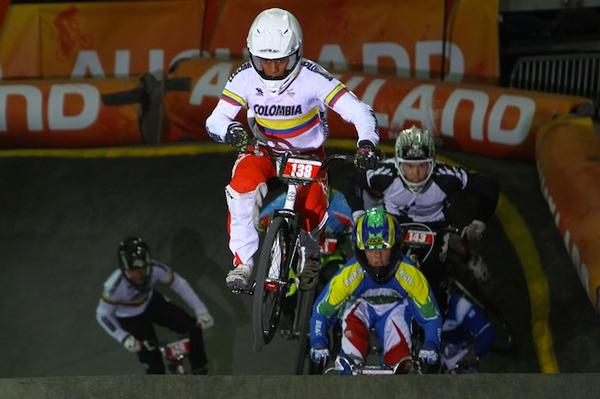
column 418, row 237
column 303, row 169
column 177, row 348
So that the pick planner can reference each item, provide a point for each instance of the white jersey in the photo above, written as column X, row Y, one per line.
column 120, row 298
column 294, row 120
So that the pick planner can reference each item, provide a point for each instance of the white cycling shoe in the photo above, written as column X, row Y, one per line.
column 238, row 278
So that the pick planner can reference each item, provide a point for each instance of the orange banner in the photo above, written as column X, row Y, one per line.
column 66, row 113
column 404, row 37
column 568, row 155
column 20, row 38
column 480, row 119
column 128, row 38
column 3, row 8
column 99, row 39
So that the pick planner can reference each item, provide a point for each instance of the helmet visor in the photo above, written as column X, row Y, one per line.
column 276, row 68
column 416, row 171
column 138, row 275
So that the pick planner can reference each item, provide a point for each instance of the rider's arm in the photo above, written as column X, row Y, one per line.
column 230, row 103
column 325, row 310
column 488, row 191
column 105, row 315
column 339, row 98
column 181, row 287
column 364, row 190
column 421, row 303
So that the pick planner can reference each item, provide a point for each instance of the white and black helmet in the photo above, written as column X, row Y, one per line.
column 276, row 34
column 415, row 145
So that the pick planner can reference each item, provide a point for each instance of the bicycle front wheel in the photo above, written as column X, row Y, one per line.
column 271, row 281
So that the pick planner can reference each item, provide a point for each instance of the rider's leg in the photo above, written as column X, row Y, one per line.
column 396, row 338
column 142, row 329
column 355, row 327
column 171, row 316
column 244, row 195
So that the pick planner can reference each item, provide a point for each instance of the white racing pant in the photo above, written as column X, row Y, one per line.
column 388, row 321
column 243, row 216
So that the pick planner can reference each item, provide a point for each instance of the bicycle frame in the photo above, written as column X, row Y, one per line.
column 173, row 353
column 281, row 253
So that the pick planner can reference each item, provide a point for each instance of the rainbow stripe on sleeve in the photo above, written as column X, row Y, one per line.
column 233, row 99
column 335, row 95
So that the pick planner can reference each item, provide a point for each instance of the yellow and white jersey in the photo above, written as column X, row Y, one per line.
column 120, row 298
column 294, row 120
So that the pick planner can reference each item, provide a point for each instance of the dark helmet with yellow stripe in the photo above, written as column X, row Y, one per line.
column 377, row 229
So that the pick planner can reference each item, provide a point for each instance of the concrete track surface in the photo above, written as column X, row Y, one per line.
column 62, row 218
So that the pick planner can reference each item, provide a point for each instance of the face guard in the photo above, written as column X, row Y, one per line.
column 414, row 146
column 275, row 34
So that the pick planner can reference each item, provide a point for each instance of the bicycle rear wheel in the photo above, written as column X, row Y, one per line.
column 271, row 281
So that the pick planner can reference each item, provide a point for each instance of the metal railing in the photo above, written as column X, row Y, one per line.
column 572, row 74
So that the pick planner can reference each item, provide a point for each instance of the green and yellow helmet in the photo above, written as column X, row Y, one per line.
column 376, row 229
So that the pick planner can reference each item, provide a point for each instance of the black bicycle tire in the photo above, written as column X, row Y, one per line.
column 304, row 307
column 262, row 337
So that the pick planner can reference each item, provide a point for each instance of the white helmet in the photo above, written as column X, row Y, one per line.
column 415, row 145
column 275, row 34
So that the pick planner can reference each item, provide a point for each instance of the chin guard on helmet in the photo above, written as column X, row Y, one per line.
column 413, row 146
column 275, row 34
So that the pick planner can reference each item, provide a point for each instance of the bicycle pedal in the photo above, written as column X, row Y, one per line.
column 244, row 291
column 287, row 335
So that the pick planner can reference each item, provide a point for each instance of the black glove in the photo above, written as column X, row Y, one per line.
column 365, row 157
column 237, row 137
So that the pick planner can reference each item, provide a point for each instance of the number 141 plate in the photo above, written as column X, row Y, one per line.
column 304, row 169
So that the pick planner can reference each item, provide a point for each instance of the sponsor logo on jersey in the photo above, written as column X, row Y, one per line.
column 352, row 277
column 259, row 92
column 242, row 67
column 277, row 110
column 317, row 69
column 405, row 276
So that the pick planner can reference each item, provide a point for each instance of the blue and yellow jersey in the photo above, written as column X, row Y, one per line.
column 353, row 282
